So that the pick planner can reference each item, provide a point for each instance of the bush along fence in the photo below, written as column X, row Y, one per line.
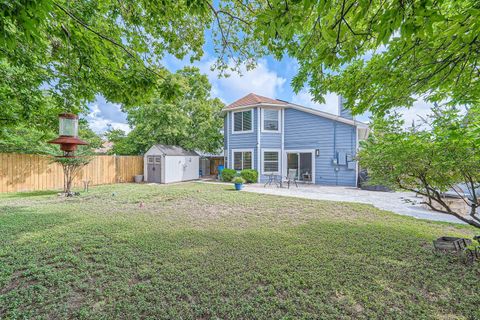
column 29, row 172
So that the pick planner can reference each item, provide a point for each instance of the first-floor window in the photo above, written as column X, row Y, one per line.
column 242, row 160
column 271, row 161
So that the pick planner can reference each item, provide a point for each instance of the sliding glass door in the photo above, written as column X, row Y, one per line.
column 301, row 162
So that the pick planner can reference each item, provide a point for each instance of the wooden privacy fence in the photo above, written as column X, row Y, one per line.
column 29, row 172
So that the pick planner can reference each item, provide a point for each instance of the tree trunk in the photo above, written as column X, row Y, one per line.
column 437, row 198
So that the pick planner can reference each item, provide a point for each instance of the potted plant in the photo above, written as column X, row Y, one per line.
column 238, row 181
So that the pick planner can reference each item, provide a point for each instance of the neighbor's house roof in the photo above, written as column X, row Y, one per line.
column 174, row 150
column 106, row 146
column 255, row 100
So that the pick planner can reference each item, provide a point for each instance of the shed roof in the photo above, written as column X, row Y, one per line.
column 174, row 150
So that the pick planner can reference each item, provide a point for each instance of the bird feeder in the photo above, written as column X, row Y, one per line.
column 68, row 134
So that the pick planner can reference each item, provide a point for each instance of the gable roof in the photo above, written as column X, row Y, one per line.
column 254, row 99
column 174, row 150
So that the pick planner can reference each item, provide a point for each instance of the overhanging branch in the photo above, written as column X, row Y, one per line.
column 108, row 39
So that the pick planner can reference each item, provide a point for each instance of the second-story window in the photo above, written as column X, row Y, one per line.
column 242, row 121
column 271, row 120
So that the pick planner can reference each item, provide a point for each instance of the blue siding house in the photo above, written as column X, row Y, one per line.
column 276, row 137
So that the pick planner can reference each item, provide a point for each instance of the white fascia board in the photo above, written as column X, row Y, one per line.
column 253, row 106
column 328, row 115
column 304, row 109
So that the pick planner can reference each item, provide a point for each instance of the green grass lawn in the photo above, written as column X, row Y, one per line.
column 200, row 251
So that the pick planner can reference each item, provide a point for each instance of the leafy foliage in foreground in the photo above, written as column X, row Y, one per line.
column 74, row 50
column 378, row 54
column 56, row 56
column 428, row 161
column 203, row 251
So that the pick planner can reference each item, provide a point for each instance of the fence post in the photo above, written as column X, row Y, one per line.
column 116, row 167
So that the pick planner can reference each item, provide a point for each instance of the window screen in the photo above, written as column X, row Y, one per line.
column 237, row 160
column 270, row 120
column 247, row 160
column 242, row 160
column 242, row 121
column 270, row 161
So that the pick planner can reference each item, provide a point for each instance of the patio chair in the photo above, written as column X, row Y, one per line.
column 292, row 177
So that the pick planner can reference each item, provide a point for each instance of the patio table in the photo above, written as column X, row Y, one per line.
column 274, row 179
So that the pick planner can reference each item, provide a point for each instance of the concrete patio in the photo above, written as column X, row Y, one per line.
column 404, row 203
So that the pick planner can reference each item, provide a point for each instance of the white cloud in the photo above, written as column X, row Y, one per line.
column 260, row 80
column 99, row 124
column 420, row 109
column 305, row 98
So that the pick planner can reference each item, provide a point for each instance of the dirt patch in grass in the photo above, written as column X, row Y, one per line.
column 15, row 282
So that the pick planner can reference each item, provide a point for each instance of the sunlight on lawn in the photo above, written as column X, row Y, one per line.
column 200, row 251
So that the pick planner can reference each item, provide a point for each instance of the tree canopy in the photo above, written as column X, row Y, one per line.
column 70, row 51
column 57, row 55
column 192, row 120
column 439, row 157
column 378, row 54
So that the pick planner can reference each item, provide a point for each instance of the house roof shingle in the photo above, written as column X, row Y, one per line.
column 253, row 99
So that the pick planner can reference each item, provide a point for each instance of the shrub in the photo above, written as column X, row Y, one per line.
column 238, row 180
column 228, row 174
column 249, row 175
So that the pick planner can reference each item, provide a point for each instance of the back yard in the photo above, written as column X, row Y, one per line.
column 204, row 251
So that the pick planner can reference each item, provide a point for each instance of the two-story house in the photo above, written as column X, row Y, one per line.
column 275, row 137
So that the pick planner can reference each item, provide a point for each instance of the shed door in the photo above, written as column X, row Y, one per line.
column 154, row 169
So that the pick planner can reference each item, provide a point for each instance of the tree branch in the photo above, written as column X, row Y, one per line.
column 108, row 39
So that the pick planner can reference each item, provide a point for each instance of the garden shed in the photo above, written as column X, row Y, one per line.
column 166, row 164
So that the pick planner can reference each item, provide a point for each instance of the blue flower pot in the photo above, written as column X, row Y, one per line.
column 238, row 186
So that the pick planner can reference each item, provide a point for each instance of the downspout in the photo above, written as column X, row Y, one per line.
column 335, row 152
column 356, row 159
column 258, row 144
column 226, row 132
column 282, row 147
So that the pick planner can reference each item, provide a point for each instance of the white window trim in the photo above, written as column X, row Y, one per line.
column 279, row 151
column 242, row 150
column 233, row 121
column 263, row 122
column 312, row 151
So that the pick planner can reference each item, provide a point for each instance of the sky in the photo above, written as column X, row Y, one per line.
column 271, row 78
